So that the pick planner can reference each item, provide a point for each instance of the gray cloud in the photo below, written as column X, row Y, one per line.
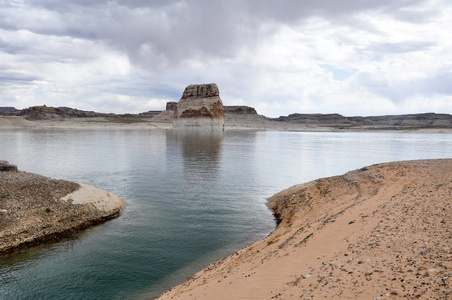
column 153, row 49
column 401, row 47
column 181, row 30
column 8, row 78
column 434, row 85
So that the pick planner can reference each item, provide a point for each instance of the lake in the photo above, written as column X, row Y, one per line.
column 192, row 197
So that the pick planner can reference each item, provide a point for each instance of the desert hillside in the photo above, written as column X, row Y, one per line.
column 381, row 232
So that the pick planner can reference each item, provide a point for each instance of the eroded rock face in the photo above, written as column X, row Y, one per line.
column 240, row 110
column 6, row 166
column 200, row 107
column 171, row 106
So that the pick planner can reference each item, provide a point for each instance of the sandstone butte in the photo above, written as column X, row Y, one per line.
column 381, row 232
column 200, row 107
column 36, row 209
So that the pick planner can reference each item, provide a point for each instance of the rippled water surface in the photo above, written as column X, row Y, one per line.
column 192, row 198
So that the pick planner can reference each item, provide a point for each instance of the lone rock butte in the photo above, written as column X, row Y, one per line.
column 200, row 107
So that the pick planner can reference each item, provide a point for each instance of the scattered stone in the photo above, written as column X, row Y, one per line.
column 413, row 258
column 32, row 212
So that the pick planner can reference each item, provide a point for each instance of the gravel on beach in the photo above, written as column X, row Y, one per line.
column 380, row 232
column 31, row 211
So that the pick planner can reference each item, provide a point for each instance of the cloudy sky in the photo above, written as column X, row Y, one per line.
column 354, row 57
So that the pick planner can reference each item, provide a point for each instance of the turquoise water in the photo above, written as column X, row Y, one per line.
column 192, row 198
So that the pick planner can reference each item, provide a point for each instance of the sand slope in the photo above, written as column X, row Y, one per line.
column 382, row 232
column 102, row 200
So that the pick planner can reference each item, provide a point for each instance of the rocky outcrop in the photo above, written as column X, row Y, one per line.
column 6, row 166
column 35, row 113
column 200, row 107
column 171, row 106
column 36, row 209
column 240, row 110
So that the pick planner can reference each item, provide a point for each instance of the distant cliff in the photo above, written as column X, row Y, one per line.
column 35, row 113
column 200, row 107
column 426, row 120
column 240, row 110
column 246, row 116
column 8, row 108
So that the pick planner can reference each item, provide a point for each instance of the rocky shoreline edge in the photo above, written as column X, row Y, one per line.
column 35, row 209
column 235, row 118
column 380, row 232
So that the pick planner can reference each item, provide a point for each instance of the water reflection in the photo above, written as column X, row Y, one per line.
column 201, row 152
column 192, row 197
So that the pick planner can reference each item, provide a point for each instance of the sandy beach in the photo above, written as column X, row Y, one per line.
column 381, row 232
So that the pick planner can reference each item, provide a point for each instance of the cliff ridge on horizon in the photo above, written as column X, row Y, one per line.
column 244, row 116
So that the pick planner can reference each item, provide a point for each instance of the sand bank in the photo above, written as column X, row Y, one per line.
column 36, row 209
column 102, row 200
column 381, row 232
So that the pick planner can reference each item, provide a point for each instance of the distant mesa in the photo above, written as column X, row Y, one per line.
column 51, row 113
column 240, row 110
column 8, row 111
column 8, row 108
column 200, row 107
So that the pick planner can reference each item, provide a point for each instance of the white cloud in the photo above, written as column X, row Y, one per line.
column 351, row 57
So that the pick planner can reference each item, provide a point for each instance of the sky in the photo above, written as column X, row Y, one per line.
column 353, row 57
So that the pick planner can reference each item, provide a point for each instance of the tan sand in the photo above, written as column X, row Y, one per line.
column 382, row 232
column 102, row 200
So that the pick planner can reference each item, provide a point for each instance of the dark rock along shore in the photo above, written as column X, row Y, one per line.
column 31, row 211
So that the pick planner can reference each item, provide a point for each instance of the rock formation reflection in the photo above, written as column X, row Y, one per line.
column 201, row 152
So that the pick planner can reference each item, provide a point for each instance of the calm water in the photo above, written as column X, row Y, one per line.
column 192, row 198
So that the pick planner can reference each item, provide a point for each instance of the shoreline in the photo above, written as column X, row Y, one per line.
column 35, row 209
column 379, row 232
column 15, row 122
